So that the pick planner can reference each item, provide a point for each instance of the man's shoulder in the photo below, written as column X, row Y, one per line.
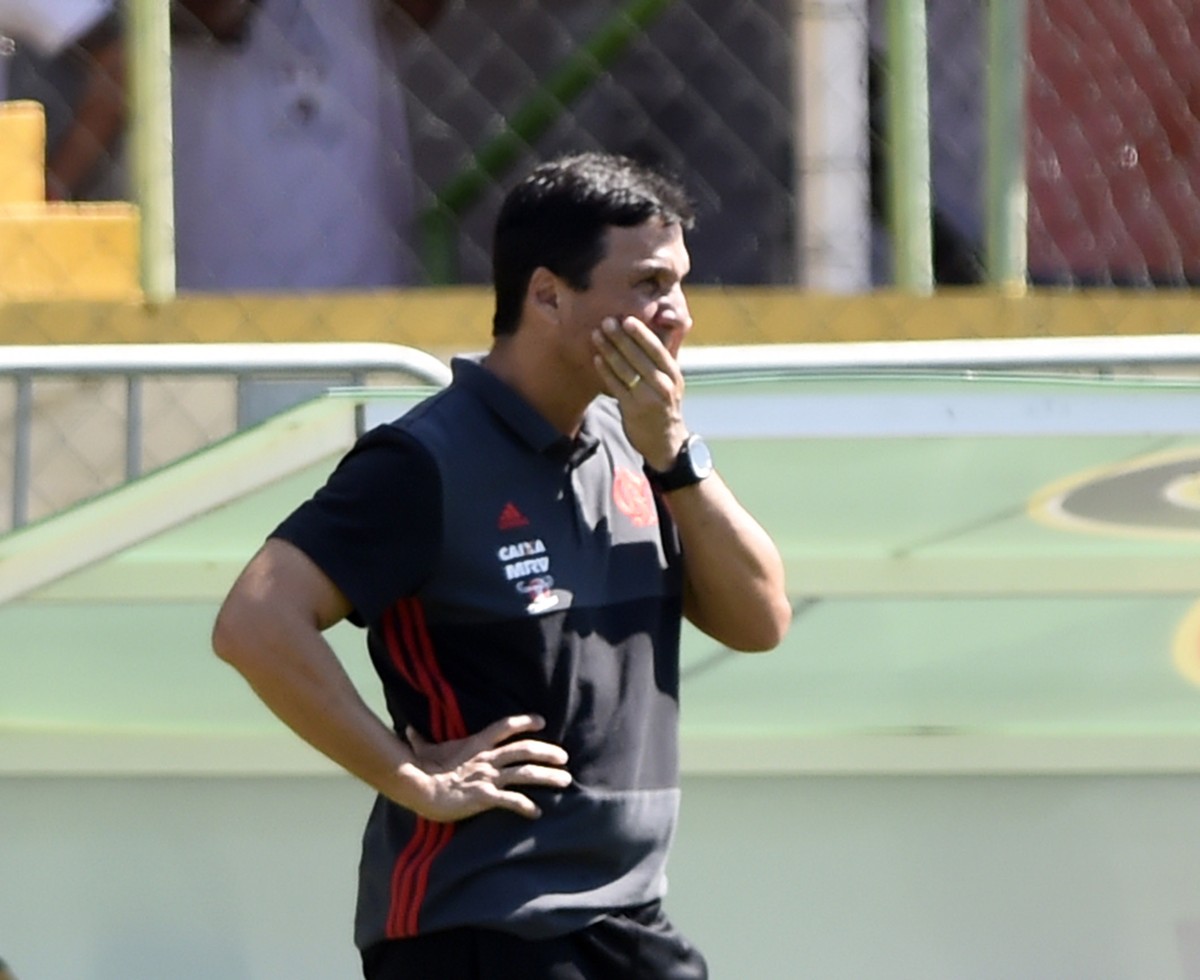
column 453, row 411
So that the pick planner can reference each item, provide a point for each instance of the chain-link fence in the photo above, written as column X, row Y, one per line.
column 335, row 149
column 703, row 89
column 336, row 146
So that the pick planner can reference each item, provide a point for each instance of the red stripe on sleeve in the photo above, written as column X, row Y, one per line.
column 411, row 650
column 455, row 726
column 395, row 648
column 418, row 648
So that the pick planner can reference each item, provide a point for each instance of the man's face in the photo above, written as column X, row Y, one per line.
column 641, row 275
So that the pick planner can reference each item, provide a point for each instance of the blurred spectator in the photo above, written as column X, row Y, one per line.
column 5, row 972
column 292, row 158
column 68, row 57
column 293, row 162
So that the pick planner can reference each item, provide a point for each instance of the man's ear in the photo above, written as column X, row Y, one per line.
column 544, row 292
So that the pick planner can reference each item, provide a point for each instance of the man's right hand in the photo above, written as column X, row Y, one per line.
column 270, row 629
column 470, row 775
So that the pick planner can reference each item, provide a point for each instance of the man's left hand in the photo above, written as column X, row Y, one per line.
column 640, row 373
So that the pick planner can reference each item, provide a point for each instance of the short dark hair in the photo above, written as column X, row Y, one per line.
column 557, row 217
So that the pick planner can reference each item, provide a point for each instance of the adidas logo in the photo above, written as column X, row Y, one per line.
column 510, row 518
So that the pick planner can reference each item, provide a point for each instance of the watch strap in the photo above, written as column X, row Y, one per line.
column 685, row 471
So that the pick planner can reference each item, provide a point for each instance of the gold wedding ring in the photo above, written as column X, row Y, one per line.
column 634, row 383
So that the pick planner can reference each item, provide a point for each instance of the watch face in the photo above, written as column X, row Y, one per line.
column 701, row 458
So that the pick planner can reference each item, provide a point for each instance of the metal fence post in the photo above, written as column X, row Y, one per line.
column 150, row 143
column 1007, row 199
column 133, row 426
column 910, row 206
column 22, row 450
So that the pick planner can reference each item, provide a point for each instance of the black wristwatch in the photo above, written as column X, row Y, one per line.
column 693, row 464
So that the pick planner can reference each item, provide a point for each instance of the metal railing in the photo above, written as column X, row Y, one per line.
column 135, row 362
column 23, row 366
column 1104, row 355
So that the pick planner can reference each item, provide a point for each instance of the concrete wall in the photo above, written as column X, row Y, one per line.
column 830, row 877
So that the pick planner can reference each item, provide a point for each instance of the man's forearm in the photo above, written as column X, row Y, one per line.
column 297, row 675
column 734, row 587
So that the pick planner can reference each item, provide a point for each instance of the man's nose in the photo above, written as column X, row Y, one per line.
column 674, row 310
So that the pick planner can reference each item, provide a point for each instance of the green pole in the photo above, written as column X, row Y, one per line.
column 910, row 208
column 150, row 143
column 531, row 119
column 1006, row 204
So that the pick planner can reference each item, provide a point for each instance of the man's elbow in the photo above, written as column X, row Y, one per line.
column 229, row 634
column 764, row 632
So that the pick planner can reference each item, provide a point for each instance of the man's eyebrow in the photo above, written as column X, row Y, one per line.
column 657, row 265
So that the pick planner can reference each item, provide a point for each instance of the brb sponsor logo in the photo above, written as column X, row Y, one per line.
column 540, row 593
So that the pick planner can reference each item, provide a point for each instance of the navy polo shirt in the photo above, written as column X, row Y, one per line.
column 500, row 568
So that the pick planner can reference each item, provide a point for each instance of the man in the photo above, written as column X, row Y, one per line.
column 522, row 585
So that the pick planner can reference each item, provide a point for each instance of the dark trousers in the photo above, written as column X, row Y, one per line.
column 633, row 944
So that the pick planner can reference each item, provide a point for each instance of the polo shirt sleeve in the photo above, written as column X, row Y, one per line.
column 375, row 527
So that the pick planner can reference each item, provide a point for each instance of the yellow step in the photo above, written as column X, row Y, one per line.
column 22, row 153
column 63, row 251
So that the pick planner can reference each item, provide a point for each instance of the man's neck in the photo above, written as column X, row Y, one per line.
column 540, row 381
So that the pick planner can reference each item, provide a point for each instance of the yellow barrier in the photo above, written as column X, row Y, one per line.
column 459, row 318
column 22, row 153
column 57, row 251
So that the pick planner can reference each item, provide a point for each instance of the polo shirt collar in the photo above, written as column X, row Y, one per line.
column 526, row 422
